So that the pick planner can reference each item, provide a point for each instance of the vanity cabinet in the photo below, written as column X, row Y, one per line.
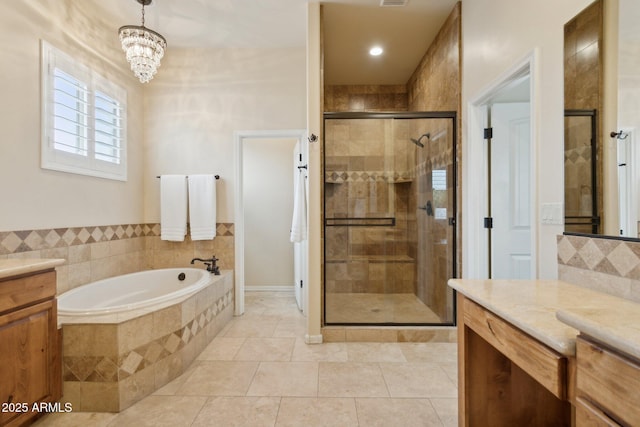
column 506, row 377
column 30, row 361
column 607, row 387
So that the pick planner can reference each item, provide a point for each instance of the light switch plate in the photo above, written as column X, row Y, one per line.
column 552, row 214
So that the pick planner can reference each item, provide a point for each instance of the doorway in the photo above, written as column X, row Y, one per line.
column 510, row 186
column 255, row 217
column 389, row 218
column 500, row 235
column 628, row 154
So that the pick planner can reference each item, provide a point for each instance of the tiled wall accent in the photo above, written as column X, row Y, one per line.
column 97, row 252
column 108, row 367
column 365, row 98
column 604, row 264
column 340, row 177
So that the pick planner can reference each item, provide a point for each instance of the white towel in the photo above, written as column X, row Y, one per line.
column 299, row 222
column 173, row 207
column 202, row 206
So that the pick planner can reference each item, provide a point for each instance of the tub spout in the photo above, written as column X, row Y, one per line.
column 210, row 263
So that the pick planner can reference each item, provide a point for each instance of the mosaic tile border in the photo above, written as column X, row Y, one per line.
column 620, row 258
column 13, row 242
column 342, row 177
column 578, row 155
column 105, row 369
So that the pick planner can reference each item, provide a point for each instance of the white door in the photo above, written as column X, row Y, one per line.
column 300, row 249
column 511, row 191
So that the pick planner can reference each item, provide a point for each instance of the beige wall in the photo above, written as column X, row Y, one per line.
column 268, row 207
column 31, row 197
column 516, row 29
column 200, row 97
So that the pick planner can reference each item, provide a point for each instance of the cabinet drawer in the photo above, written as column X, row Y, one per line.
column 546, row 366
column 588, row 415
column 21, row 291
column 610, row 381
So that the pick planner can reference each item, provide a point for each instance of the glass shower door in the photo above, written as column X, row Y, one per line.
column 580, row 172
column 389, row 194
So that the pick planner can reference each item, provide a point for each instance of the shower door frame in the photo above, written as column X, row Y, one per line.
column 594, row 221
column 453, row 219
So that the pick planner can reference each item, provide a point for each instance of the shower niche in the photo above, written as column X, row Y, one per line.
column 389, row 218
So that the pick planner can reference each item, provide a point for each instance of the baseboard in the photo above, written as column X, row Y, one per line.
column 254, row 288
column 313, row 339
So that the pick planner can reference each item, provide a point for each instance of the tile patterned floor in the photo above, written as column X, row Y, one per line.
column 259, row 372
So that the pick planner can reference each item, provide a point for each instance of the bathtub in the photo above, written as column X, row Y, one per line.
column 132, row 294
column 125, row 337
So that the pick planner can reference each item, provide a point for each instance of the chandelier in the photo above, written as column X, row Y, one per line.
column 144, row 47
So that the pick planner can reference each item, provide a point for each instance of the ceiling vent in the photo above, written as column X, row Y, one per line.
column 393, row 3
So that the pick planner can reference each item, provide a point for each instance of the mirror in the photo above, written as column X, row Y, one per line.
column 582, row 120
column 602, row 165
column 628, row 120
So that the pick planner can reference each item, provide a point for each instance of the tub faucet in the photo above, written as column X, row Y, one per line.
column 210, row 263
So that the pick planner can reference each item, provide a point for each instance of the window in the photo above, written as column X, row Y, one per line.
column 83, row 119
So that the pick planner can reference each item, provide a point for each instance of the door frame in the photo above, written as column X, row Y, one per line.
column 239, row 139
column 475, row 239
column 452, row 216
column 632, row 176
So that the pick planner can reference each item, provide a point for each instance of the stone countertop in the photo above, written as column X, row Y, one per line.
column 531, row 306
column 617, row 326
column 15, row 267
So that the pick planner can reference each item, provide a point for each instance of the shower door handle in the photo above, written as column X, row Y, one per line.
column 428, row 207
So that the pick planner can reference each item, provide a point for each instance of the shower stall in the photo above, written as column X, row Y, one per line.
column 389, row 218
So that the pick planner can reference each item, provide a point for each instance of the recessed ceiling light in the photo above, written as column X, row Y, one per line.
column 375, row 51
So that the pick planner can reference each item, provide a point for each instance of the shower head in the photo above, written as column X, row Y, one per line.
column 417, row 141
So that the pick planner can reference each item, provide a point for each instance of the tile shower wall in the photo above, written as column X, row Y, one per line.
column 97, row 252
column 436, row 82
column 430, row 234
column 342, row 98
column 603, row 264
column 435, row 86
column 367, row 176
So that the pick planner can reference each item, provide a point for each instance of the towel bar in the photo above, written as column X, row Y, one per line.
column 217, row 176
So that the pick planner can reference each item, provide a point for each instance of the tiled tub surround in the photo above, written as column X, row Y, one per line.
column 604, row 264
column 98, row 252
column 109, row 366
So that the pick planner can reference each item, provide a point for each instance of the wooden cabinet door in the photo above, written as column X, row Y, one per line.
column 609, row 380
column 28, row 340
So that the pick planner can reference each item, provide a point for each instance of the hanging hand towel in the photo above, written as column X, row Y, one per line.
column 299, row 222
column 173, row 207
column 202, row 206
